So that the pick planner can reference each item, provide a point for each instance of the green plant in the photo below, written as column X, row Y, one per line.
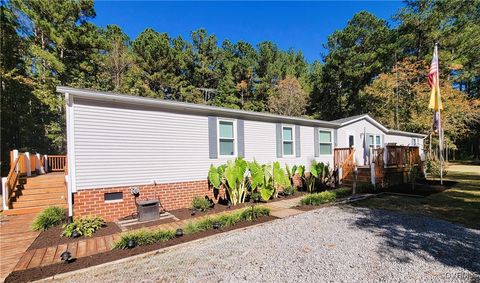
column 289, row 191
column 200, row 203
column 319, row 198
column 49, row 217
column 433, row 168
column 342, row 192
column 85, row 226
column 226, row 220
column 144, row 237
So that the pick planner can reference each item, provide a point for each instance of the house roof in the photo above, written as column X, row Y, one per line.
column 217, row 111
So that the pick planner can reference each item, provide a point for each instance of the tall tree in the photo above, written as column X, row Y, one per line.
column 356, row 54
column 288, row 98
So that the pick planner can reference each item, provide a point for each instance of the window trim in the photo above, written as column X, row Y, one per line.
column 348, row 141
column 292, row 141
column 320, row 142
column 234, row 139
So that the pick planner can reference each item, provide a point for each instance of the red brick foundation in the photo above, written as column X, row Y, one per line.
column 171, row 195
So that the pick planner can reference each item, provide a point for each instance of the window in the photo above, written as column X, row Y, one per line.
column 287, row 140
column 374, row 141
column 226, row 134
column 351, row 141
column 325, row 139
column 118, row 196
column 414, row 142
column 377, row 141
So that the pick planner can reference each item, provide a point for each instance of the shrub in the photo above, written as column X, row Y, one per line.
column 200, row 203
column 255, row 212
column 49, row 217
column 342, row 192
column 85, row 226
column 144, row 237
column 319, row 198
column 433, row 168
column 289, row 191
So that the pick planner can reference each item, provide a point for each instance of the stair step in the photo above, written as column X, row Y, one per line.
column 40, row 202
column 30, row 191
column 28, row 210
column 32, row 197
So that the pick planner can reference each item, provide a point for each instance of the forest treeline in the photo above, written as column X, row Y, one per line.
column 368, row 67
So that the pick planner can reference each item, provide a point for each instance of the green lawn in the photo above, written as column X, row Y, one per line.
column 460, row 203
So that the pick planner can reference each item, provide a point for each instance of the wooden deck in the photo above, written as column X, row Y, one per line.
column 15, row 238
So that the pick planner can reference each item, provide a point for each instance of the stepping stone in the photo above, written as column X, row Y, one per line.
column 285, row 212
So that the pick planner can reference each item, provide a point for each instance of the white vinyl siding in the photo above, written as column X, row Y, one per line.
column 288, row 144
column 124, row 145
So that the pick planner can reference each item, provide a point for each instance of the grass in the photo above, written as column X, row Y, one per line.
column 147, row 237
column 460, row 203
column 49, row 217
column 326, row 196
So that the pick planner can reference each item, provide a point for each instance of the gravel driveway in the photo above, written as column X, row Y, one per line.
column 330, row 244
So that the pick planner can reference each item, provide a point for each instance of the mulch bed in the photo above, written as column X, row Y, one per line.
column 53, row 236
column 37, row 273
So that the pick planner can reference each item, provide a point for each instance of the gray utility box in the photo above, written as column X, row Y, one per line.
column 148, row 210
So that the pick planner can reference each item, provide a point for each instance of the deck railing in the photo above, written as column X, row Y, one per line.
column 57, row 162
column 344, row 158
column 18, row 168
column 402, row 155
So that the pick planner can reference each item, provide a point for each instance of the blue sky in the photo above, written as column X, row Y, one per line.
column 302, row 26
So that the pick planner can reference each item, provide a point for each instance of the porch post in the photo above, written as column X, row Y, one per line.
column 27, row 159
column 15, row 156
column 45, row 164
column 4, row 193
column 372, row 168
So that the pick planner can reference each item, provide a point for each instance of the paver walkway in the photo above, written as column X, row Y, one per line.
column 15, row 238
column 88, row 247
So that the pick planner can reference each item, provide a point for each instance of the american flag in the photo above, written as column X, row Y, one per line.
column 432, row 75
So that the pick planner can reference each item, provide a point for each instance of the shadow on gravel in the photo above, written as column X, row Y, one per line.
column 406, row 236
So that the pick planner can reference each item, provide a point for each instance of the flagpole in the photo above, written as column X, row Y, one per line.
column 440, row 130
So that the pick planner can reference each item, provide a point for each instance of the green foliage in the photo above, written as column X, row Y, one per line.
column 144, row 237
column 85, row 226
column 319, row 198
column 200, row 203
column 226, row 220
column 289, row 191
column 433, row 168
column 49, row 217
column 342, row 192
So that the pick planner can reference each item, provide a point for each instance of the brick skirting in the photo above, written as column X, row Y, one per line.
column 171, row 195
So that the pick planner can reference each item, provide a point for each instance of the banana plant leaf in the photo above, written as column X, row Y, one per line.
column 266, row 191
column 257, row 175
column 214, row 177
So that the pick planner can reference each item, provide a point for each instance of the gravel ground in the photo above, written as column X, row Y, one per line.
column 339, row 244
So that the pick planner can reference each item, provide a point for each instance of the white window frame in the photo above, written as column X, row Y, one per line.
column 414, row 142
column 374, row 144
column 219, row 138
column 348, row 138
column 331, row 142
column 292, row 141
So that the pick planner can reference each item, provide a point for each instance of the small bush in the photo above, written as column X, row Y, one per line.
column 144, row 237
column 342, row 192
column 49, row 217
column 289, row 191
column 85, row 226
column 319, row 198
column 433, row 168
column 200, row 203
column 257, row 211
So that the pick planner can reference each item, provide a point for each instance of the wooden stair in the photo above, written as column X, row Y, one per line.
column 39, row 193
